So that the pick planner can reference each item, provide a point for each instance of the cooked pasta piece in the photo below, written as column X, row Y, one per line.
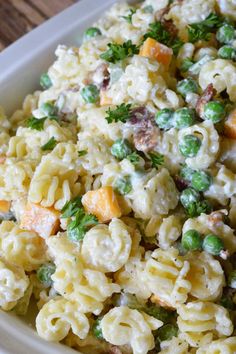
column 200, row 322
column 122, row 325
column 13, row 284
column 220, row 346
column 169, row 231
column 57, row 317
column 23, row 248
column 106, row 248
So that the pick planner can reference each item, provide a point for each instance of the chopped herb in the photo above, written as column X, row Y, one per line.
column 134, row 158
column 158, row 32
column 77, row 228
column 202, row 30
column 157, row 159
column 186, row 64
column 82, row 152
column 49, row 145
column 128, row 18
column 197, row 208
column 97, row 329
column 120, row 114
column 117, row 52
column 35, row 123
column 71, row 207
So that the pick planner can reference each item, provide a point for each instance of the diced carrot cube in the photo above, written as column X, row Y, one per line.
column 230, row 126
column 155, row 50
column 104, row 99
column 102, row 203
column 4, row 206
column 44, row 221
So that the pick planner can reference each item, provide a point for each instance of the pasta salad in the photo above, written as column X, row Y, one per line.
column 118, row 185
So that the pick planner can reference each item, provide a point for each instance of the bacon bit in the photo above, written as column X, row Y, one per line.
column 2, row 159
column 168, row 24
column 180, row 183
column 206, row 97
column 156, row 300
column 217, row 217
column 145, row 129
column 100, row 77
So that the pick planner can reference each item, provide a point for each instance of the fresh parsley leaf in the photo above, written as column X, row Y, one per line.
column 120, row 114
column 82, row 152
column 186, row 64
column 71, row 207
column 128, row 18
column 49, row 145
column 133, row 158
column 77, row 228
column 158, row 32
column 117, row 52
column 196, row 208
column 202, row 30
column 176, row 44
column 34, row 123
column 156, row 159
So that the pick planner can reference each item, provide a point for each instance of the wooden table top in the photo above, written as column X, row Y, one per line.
column 18, row 17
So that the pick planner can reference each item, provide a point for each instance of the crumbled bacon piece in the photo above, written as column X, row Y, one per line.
column 168, row 24
column 145, row 130
column 206, row 97
column 180, row 183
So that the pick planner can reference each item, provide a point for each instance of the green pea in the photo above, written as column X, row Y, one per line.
column 91, row 33
column 167, row 331
column 187, row 86
column 190, row 145
column 213, row 244
column 45, row 81
column 215, row 111
column 191, row 240
column 159, row 312
column 90, row 93
column 121, row 149
column 232, row 279
column 227, row 52
column 225, row 34
column 189, row 196
column 184, row 117
column 186, row 173
column 164, row 118
column 126, row 299
column 45, row 272
column 201, row 181
column 123, row 185
column 97, row 329
column 49, row 109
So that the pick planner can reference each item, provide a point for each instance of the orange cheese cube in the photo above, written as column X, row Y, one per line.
column 157, row 51
column 102, row 203
column 44, row 221
column 230, row 126
column 4, row 206
column 104, row 99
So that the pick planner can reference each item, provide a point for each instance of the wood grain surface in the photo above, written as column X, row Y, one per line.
column 18, row 17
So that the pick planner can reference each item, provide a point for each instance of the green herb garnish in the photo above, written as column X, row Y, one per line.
column 71, row 207
column 156, row 159
column 120, row 114
column 117, row 52
column 128, row 18
column 49, row 145
column 77, row 228
column 202, row 30
column 34, row 123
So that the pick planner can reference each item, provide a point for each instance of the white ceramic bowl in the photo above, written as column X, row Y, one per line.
column 20, row 67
